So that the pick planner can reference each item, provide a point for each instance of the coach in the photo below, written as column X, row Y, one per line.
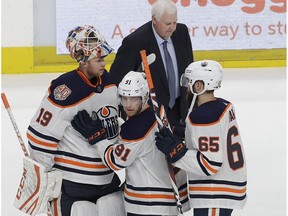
column 171, row 43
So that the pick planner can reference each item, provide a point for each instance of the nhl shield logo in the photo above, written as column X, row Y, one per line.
column 61, row 92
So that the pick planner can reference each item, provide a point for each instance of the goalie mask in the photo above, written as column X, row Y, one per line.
column 85, row 43
column 208, row 71
column 134, row 84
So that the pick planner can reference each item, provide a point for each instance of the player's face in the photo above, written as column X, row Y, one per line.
column 166, row 25
column 132, row 105
column 95, row 67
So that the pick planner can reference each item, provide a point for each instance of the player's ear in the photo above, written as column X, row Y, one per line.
column 83, row 65
column 199, row 86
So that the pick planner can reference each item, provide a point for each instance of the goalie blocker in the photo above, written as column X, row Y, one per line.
column 37, row 188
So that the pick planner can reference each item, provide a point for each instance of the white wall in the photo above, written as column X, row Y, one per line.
column 17, row 23
column 44, row 22
column 28, row 23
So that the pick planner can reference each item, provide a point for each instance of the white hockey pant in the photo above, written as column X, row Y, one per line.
column 111, row 204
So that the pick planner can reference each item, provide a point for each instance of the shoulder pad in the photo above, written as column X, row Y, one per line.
column 138, row 126
column 69, row 88
column 209, row 112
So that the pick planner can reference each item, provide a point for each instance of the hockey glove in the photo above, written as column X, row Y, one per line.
column 91, row 129
column 179, row 129
column 170, row 145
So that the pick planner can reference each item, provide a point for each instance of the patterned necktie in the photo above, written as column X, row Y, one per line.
column 170, row 75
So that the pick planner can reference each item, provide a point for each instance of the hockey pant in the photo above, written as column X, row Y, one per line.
column 75, row 196
column 212, row 212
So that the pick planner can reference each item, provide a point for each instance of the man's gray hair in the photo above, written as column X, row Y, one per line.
column 162, row 6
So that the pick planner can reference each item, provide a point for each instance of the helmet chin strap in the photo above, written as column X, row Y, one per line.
column 192, row 104
column 144, row 104
column 194, row 99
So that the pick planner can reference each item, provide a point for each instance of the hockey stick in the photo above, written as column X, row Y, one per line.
column 8, row 108
column 150, row 59
column 9, row 111
column 162, row 121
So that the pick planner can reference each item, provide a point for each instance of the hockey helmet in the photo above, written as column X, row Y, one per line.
column 208, row 71
column 134, row 84
column 85, row 43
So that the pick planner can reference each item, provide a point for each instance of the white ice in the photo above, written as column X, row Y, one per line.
column 259, row 96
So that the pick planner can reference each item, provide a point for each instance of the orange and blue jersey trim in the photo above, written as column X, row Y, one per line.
column 207, row 166
column 217, row 189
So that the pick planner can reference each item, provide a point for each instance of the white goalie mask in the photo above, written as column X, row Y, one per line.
column 208, row 71
column 134, row 84
column 85, row 43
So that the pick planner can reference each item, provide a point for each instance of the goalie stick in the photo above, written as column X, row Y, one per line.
column 162, row 121
column 28, row 206
column 7, row 107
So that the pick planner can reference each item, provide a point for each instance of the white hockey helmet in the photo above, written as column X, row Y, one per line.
column 208, row 71
column 85, row 43
column 134, row 84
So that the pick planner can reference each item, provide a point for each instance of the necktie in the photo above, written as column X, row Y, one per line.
column 170, row 75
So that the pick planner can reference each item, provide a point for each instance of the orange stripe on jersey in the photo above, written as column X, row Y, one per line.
column 212, row 123
column 50, row 145
column 184, row 193
column 213, row 212
column 99, row 80
column 83, row 76
column 137, row 140
column 204, row 162
column 55, row 207
column 150, row 196
column 75, row 163
column 72, row 105
column 108, row 154
column 108, row 86
column 222, row 189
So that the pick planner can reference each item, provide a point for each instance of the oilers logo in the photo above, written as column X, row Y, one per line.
column 109, row 118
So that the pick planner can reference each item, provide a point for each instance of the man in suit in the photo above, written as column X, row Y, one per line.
column 150, row 37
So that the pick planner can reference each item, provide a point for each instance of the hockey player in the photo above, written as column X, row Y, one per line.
column 148, row 189
column 214, row 156
column 54, row 143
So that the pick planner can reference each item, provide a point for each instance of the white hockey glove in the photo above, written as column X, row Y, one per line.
column 37, row 187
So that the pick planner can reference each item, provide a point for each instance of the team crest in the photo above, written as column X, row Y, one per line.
column 109, row 118
column 61, row 92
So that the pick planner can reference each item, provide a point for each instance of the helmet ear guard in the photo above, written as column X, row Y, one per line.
column 85, row 43
column 208, row 71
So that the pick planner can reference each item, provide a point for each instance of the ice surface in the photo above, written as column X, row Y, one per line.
column 259, row 97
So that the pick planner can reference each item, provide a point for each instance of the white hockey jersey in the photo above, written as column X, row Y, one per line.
column 53, row 142
column 148, row 188
column 215, row 160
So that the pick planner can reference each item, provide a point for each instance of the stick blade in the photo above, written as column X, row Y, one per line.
column 150, row 59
